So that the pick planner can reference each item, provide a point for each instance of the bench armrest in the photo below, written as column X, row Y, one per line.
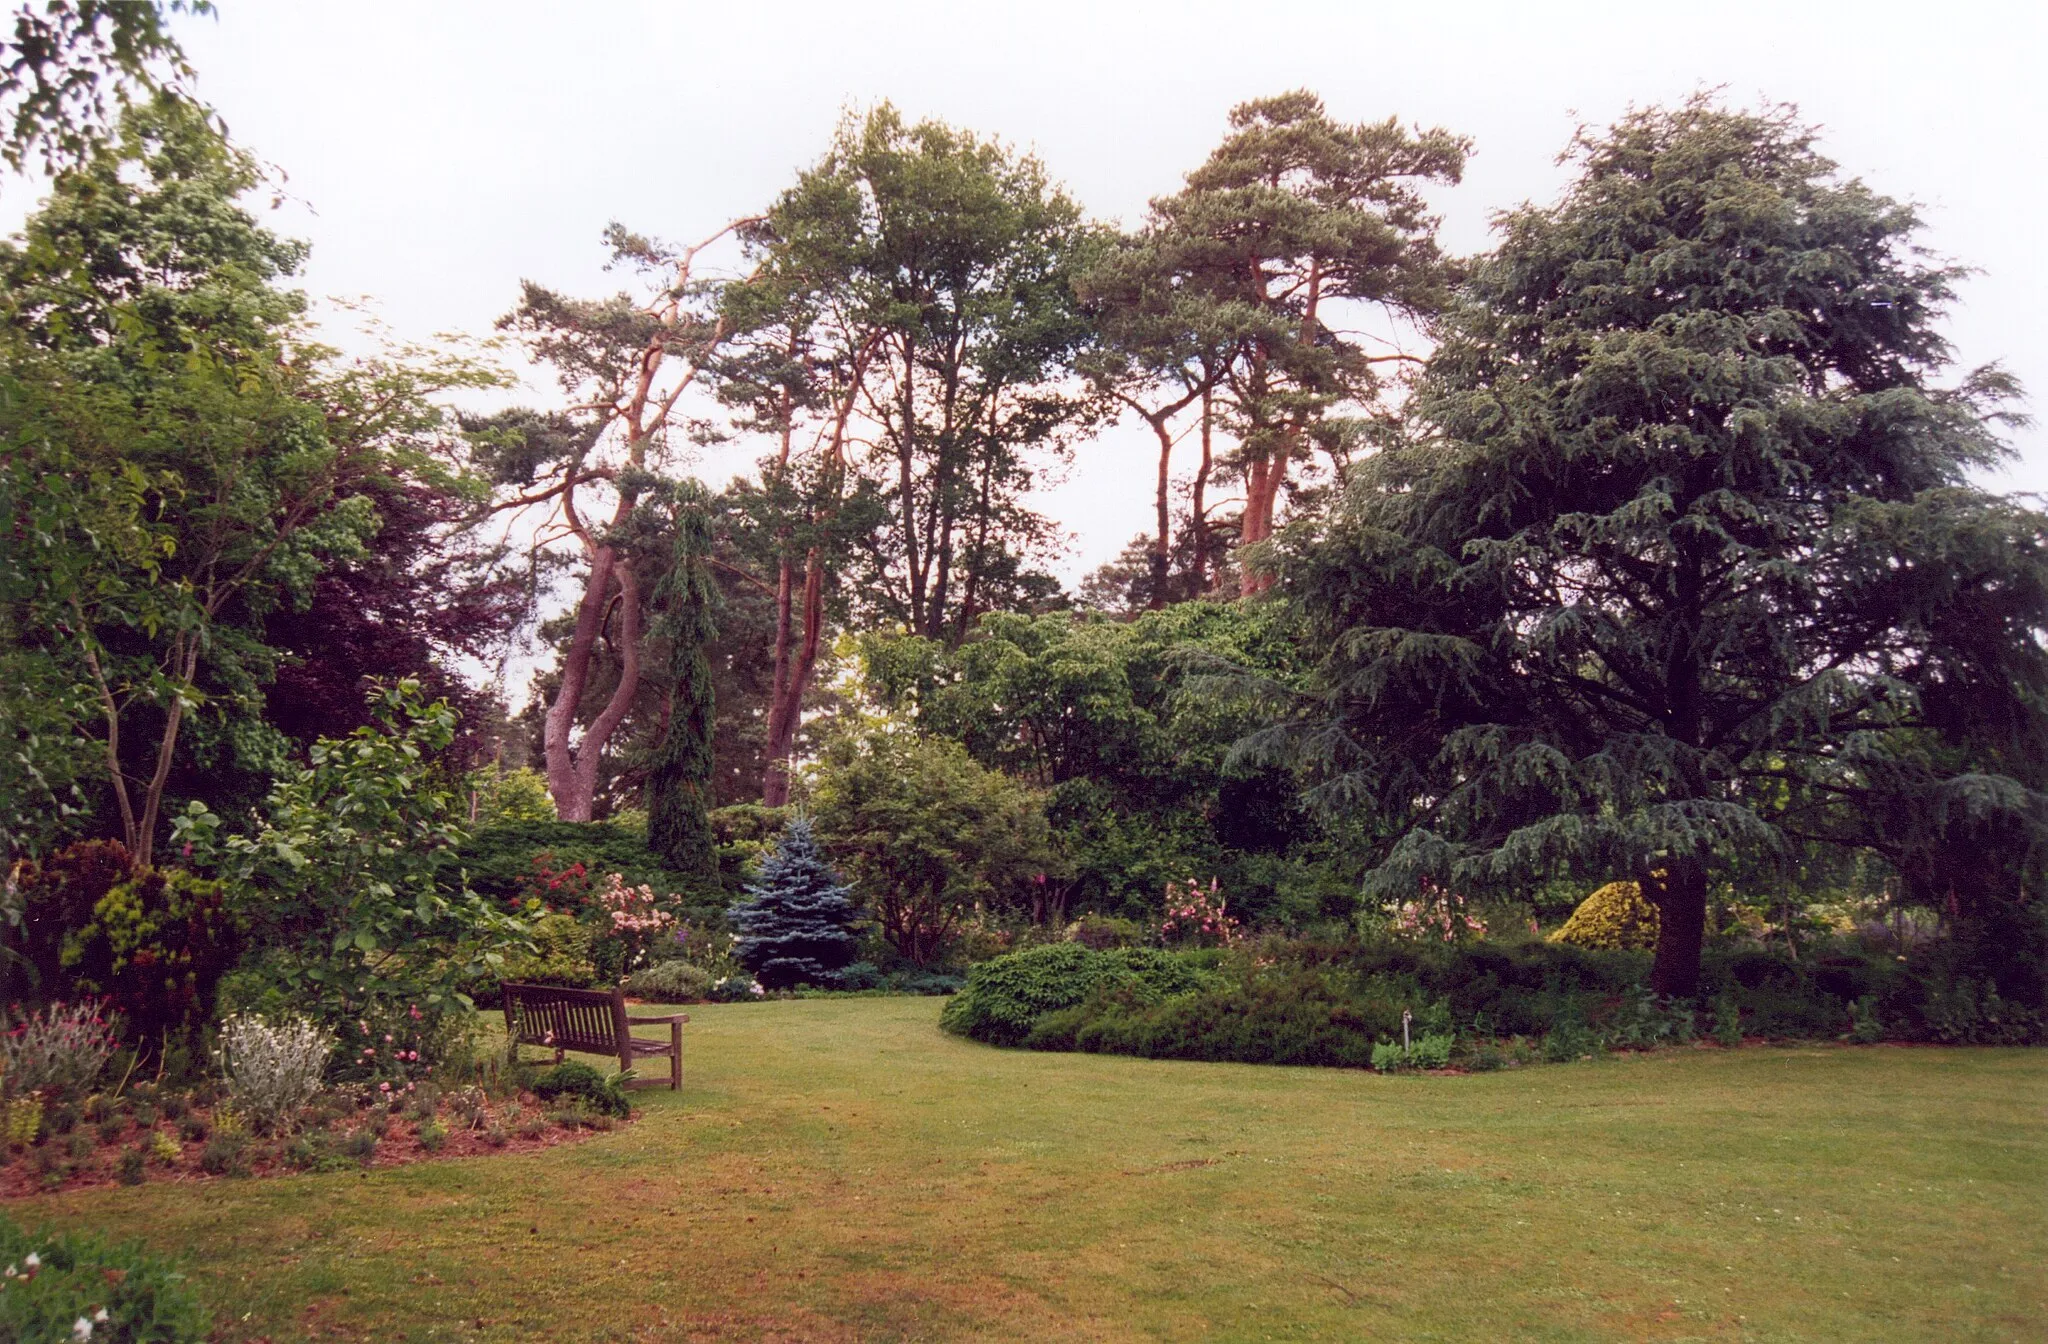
column 657, row 1021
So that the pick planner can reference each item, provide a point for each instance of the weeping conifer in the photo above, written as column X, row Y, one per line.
column 679, row 769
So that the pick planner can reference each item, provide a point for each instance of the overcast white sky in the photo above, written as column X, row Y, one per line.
column 443, row 151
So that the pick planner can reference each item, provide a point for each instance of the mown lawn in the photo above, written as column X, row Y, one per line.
column 839, row 1170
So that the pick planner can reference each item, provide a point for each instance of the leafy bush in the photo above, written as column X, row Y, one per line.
column 121, row 1291
column 560, row 956
column 1614, row 916
column 583, row 1084
column 734, row 989
column 1387, row 1057
column 499, row 860
column 149, row 944
column 1433, row 1051
column 1285, row 1015
column 1003, row 998
column 225, row 1154
column 351, row 882
column 24, row 1121
column 272, row 1068
column 670, row 982
column 60, row 1050
column 1099, row 932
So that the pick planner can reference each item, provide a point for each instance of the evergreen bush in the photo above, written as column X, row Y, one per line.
column 798, row 925
column 1615, row 916
column 669, row 982
column 1004, row 998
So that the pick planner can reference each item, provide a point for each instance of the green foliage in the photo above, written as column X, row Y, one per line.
column 680, row 764
column 797, row 924
column 499, row 862
column 1432, row 1051
column 350, row 882
column 1117, row 722
column 71, row 63
column 508, row 797
column 582, row 1084
column 1305, row 1002
column 943, row 263
column 147, row 1298
column 927, row 834
column 1614, row 916
column 669, row 982
column 560, row 955
column 1680, row 563
column 1728, row 1019
column 1003, row 998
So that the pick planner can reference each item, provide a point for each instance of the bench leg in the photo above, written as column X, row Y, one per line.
column 675, row 1056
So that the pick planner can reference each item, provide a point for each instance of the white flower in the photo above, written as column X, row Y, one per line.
column 34, row 1261
column 81, row 1329
column 100, row 1316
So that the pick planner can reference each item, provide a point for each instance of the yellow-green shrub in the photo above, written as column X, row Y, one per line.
column 1615, row 916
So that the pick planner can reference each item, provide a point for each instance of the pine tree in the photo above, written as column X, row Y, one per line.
column 797, row 926
column 679, row 777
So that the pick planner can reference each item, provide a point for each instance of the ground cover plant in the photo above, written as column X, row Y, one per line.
column 837, row 1169
column 78, row 1287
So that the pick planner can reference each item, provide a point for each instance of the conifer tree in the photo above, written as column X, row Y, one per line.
column 797, row 925
column 679, row 775
column 1684, row 566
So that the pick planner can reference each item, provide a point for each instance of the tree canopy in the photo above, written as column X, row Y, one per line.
column 1680, row 560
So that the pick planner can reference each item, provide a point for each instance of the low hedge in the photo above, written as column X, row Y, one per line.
column 1004, row 998
column 1329, row 1003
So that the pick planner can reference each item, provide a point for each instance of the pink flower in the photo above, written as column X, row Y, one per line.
column 383, row 1087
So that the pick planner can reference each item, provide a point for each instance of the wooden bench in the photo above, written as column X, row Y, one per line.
column 591, row 1021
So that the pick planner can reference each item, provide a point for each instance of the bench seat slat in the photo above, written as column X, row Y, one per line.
column 590, row 1021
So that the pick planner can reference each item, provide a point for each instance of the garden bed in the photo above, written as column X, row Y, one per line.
column 77, row 1152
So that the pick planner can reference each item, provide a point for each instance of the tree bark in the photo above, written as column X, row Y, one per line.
column 1678, row 888
column 1198, row 508
column 906, row 457
column 785, row 712
column 1162, row 548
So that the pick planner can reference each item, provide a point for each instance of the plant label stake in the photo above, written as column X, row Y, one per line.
column 1405, row 1017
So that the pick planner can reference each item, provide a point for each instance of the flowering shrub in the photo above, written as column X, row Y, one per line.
column 554, row 885
column 387, row 1049
column 632, row 916
column 735, row 989
column 1197, row 915
column 273, row 1068
column 1437, row 914
column 60, row 1049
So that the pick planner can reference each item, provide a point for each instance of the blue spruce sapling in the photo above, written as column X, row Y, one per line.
column 796, row 927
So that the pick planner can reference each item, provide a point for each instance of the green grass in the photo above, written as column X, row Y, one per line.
column 839, row 1170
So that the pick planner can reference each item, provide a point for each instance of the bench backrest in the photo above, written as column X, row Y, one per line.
column 592, row 1021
